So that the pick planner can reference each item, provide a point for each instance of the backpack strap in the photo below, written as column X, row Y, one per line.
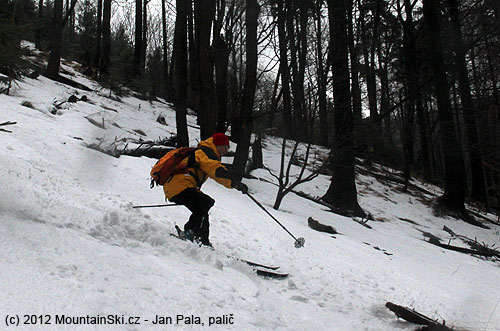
column 192, row 163
column 209, row 153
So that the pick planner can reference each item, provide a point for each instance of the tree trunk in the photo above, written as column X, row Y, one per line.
column 411, row 78
column 204, row 15
column 97, row 59
column 323, row 112
column 294, row 76
column 303, row 118
column 342, row 191
column 384, row 97
column 144, row 44
column 194, row 62
column 54, row 63
column 355, row 85
column 454, row 191
column 138, row 40
column 476, row 160
column 180, row 70
column 371, row 85
column 168, row 92
column 284, row 69
column 241, row 157
column 221, row 63
column 234, row 99
column 38, row 31
column 274, row 101
column 106, row 38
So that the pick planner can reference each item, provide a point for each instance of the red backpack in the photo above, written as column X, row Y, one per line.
column 169, row 165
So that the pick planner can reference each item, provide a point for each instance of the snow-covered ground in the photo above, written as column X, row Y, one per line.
column 71, row 245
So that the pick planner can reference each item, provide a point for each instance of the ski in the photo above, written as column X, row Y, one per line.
column 270, row 274
column 263, row 270
column 180, row 235
column 254, row 264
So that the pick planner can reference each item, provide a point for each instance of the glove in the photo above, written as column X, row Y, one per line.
column 242, row 188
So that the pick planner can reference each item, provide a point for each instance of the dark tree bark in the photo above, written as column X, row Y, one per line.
column 168, row 87
column 144, row 43
column 180, row 70
column 299, row 99
column 106, row 39
column 274, row 101
column 97, row 59
column 454, row 190
column 476, row 160
column 371, row 82
column 411, row 79
column 252, row 14
column 194, row 62
column 221, row 62
column 322, row 109
column 38, row 31
column 295, row 35
column 284, row 68
column 138, row 40
column 383, row 72
column 54, row 63
column 355, row 85
column 204, row 16
column 342, row 191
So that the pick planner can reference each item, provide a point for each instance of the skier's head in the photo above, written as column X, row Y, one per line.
column 221, row 142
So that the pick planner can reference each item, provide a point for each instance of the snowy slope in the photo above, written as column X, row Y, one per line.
column 72, row 245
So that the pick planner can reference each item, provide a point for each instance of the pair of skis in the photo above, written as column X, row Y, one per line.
column 262, row 270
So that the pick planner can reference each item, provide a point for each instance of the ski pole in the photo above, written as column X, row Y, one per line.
column 299, row 242
column 152, row 206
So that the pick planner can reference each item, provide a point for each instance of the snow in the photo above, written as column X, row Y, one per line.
column 71, row 244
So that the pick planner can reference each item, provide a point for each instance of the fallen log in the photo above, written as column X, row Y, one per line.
column 415, row 317
column 70, row 82
column 315, row 225
column 464, row 250
column 482, row 249
column 155, row 152
column 483, row 217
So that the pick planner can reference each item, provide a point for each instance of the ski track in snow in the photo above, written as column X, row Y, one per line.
column 71, row 243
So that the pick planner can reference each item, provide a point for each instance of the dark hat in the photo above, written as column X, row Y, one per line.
column 220, row 139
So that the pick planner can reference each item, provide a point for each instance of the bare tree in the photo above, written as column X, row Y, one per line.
column 454, row 189
column 180, row 70
column 38, row 31
column 204, row 16
column 54, row 63
column 321, row 77
column 221, row 62
column 473, row 143
column 138, row 40
column 168, row 87
column 106, row 39
column 342, row 191
column 252, row 14
column 97, row 58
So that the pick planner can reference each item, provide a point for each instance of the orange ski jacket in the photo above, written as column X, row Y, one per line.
column 203, row 164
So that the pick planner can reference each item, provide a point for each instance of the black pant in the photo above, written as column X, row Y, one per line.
column 199, row 204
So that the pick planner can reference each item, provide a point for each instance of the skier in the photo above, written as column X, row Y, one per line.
column 184, row 188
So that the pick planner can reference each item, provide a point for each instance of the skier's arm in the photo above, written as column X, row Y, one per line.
column 215, row 170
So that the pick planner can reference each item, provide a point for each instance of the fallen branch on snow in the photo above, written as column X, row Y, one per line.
column 7, row 123
column 415, row 317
